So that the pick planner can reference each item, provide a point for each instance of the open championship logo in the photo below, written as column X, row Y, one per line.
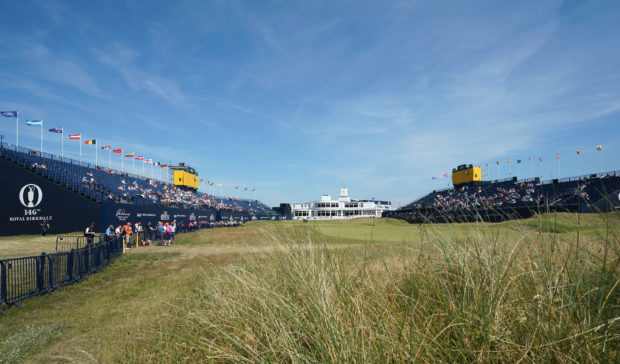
column 27, row 195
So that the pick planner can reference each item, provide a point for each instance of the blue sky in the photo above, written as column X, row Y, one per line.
column 298, row 98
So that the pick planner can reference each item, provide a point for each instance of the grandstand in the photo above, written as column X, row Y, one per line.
column 113, row 190
column 513, row 198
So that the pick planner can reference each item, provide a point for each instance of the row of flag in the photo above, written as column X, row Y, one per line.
column 518, row 161
column 219, row 185
column 109, row 147
column 557, row 156
column 60, row 130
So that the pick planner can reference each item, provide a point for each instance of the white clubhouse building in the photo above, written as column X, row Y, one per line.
column 343, row 208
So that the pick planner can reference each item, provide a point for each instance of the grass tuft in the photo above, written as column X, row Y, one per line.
column 468, row 297
column 17, row 346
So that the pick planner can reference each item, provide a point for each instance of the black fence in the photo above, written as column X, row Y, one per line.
column 25, row 277
column 67, row 243
column 76, row 257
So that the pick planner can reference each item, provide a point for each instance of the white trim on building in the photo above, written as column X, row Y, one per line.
column 343, row 208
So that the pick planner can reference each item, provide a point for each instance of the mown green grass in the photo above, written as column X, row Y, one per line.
column 367, row 290
column 28, row 245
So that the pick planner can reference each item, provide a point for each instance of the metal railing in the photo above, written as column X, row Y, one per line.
column 25, row 277
column 67, row 243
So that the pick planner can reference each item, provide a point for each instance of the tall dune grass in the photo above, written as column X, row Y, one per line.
column 475, row 296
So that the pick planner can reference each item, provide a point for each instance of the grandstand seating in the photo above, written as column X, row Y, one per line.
column 101, row 184
column 567, row 194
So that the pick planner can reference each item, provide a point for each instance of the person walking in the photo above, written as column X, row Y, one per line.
column 173, row 230
column 150, row 233
column 166, row 234
column 128, row 234
column 160, row 233
column 110, row 233
column 45, row 227
column 90, row 234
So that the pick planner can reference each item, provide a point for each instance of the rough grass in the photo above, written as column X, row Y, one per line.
column 366, row 290
column 471, row 297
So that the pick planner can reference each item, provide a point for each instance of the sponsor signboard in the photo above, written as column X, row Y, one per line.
column 28, row 199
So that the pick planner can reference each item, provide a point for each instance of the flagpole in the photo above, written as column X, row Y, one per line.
column 80, row 149
column 122, row 162
column 110, row 158
column 17, row 132
column 517, row 175
column 601, row 161
column 133, row 164
column 96, row 151
column 62, row 143
column 41, row 150
column 541, row 169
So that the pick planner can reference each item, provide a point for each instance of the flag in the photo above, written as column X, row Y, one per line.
column 445, row 174
column 540, row 159
column 154, row 163
column 509, row 160
column 518, row 161
column 92, row 142
column 75, row 136
column 107, row 147
column 599, row 148
column 578, row 152
column 56, row 130
column 140, row 158
column 434, row 177
column 245, row 189
column 497, row 163
column 117, row 151
column 164, row 166
column 148, row 161
column 557, row 156
column 9, row 114
column 254, row 189
column 34, row 122
column 129, row 155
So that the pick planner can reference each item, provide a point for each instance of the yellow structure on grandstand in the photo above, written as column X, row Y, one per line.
column 185, row 176
column 466, row 174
